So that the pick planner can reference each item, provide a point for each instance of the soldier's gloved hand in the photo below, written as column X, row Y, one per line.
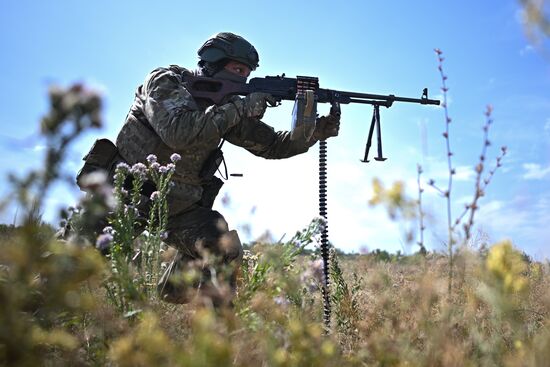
column 326, row 126
column 255, row 104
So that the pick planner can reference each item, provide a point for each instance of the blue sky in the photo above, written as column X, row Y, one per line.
column 366, row 46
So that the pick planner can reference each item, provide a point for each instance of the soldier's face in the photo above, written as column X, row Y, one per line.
column 238, row 68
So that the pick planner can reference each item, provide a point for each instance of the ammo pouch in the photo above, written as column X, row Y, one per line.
column 213, row 184
column 209, row 192
column 212, row 163
column 103, row 156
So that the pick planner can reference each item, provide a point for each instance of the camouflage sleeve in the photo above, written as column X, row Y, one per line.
column 175, row 116
column 262, row 140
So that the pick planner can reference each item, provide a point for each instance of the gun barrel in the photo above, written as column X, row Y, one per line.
column 374, row 99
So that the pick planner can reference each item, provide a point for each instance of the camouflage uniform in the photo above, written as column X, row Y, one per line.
column 165, row 119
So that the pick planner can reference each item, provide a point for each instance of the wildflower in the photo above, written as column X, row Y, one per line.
column 151, row 158
column 171, row 167
column 298, row 243
column 139, row 169
column 123, row 167
column 155, row 166
column 317, row 268
column 313, row 275
column 175, row 157
column 164, row 235
column 104, row 241
column 249, row 256
column 155, row 195
column 163, row 169
column 507, row 265
column 281, row 301
column 108, row 230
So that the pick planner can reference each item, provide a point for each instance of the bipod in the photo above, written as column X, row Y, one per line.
column 374, row 123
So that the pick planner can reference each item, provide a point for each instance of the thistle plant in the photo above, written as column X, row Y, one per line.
column 135, row 271
column 158, row 218
column 42, row 280
column 73, row 110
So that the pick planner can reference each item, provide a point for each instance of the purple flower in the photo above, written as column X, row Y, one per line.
column 171, row 167
column 313, row 275
column 108, row 230
column 139, row 169
column 163, row 169
column 151, row 158
column 155, row 166
column 164, row 235
column 317, row 267
column 104, row 241
column 122, row 167
column 175, row 157
column 155, row 195
column 281, row 300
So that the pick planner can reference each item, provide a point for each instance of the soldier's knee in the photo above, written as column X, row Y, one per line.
column 231, row 247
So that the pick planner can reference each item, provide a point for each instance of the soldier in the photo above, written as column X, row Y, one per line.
column 165, row 119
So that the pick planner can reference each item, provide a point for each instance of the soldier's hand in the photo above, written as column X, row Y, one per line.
column 326, row 126
column 255, row 104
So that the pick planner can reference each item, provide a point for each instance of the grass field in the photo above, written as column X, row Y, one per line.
column 56, row 311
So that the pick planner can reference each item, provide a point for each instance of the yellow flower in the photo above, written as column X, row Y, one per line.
column 378, row 192
column 506, row 264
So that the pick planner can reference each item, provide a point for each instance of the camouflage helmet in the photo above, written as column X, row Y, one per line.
column 227, row 45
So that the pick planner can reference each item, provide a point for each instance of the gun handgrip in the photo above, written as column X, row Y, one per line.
column 335, row 109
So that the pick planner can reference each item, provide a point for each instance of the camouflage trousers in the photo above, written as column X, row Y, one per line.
column 207, row 260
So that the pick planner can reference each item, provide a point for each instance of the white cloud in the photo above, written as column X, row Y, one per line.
column 526, row 50
column 464, row 173
column 38, row 148
column 534, row 171
column 439, row 172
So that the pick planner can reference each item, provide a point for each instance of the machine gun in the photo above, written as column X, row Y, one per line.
column 305, row 93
